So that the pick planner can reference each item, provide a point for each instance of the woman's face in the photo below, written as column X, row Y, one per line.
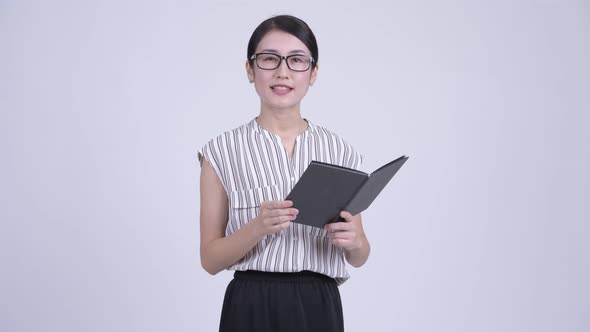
column 281, row 88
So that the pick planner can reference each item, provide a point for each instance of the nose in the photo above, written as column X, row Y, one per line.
column 283, row 70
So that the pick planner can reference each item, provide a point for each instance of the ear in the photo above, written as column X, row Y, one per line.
column 249, row 71
column 314, row 74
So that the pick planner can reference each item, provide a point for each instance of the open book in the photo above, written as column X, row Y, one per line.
column 325, row 189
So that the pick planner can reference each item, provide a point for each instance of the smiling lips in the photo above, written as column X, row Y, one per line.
column 281, row 89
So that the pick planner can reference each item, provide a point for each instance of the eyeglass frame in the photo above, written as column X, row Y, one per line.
column 281, row 58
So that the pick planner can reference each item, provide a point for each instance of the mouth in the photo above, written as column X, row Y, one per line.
column 281, row 87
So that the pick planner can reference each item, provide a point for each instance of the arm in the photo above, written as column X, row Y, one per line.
column 218, row 251
column 350, row 236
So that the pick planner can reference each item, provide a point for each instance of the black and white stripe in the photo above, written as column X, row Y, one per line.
column 254, row 166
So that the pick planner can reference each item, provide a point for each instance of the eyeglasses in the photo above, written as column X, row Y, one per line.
column 271, row 61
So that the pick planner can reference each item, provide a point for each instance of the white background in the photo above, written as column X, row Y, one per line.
column 104, row 104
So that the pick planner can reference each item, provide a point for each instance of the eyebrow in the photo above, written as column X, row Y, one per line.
column 298, row 51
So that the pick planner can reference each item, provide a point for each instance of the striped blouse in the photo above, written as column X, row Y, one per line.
column 254, row 166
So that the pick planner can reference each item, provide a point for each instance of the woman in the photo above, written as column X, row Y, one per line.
column 286, row 273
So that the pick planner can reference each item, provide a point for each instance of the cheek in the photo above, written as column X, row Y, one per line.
column 303, row 84
column 303, row 90
column 259, row 89
column 262, row 77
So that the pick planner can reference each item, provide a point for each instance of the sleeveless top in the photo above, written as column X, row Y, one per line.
column 253, row 167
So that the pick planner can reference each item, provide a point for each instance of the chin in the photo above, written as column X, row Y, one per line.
column 283, row 105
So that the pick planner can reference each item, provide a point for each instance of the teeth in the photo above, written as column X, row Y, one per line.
column 280, row 88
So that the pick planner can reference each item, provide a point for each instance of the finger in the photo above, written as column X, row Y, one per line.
column 341, row 235
column 346, row 215
column 338, row 227
column 282, row 212
column 280, row 219
column 342, row 243
column 277, row 204
column 279, row 227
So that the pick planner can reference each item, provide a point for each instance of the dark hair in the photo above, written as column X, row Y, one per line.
column 289, row 24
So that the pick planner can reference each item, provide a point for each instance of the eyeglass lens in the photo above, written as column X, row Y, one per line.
column 271, row 61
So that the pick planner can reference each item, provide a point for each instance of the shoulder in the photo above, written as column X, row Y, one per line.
column 224, row 136
column 229, row 135
column 340, row 150
column 223, row 141
column 325, row 133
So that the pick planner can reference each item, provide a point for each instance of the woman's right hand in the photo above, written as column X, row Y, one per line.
column 274, row 217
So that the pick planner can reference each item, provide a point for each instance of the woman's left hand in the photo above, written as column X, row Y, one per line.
column 346, row 234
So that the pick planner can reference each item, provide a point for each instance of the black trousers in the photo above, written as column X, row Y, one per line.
column 271, row 301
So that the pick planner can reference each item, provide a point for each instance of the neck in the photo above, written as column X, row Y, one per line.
column 282, row 123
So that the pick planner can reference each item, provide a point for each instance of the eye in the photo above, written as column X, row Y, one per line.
column 297, row 59
column 269, row 58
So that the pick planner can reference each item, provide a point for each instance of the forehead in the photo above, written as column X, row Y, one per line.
column 282, row 42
